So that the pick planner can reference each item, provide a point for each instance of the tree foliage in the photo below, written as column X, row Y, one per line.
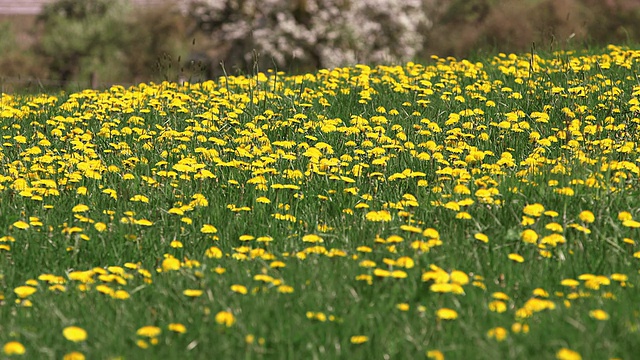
column 80, row 36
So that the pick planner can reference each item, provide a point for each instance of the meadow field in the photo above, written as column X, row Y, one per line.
column 451, row 209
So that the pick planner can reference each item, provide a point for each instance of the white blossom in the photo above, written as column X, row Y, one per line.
column 322, row 33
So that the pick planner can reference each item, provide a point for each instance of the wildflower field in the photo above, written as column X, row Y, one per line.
column 453, row 210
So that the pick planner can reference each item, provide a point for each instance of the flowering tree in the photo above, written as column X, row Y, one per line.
column 314, row 33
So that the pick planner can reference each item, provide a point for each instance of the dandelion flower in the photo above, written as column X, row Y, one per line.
column 359, row 339
column 177, row 327
column 21, row 225
column 24, row 291
column 312, row 238
column 80, row 208
column 446, row 314
column 170, row 264
column 74, row 355
column 498, row 333
column 566, row 354
column 100, row 226
column 74, row 334
column 13, row 348
column 225, row 318
column 631, row 223
column 378, row 216
column 435, row 355
column 498, row 306
column 213, row 252
column 599, row 314
column 534, row 210
column 192, row 293
column 624, row 215
column 208, row 229
column 240, row 289
column 481, row 237
column 149, row 331
column 587, row 216
column 529, row 236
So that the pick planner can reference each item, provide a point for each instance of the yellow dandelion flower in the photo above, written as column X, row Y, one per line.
column 435, row 355
column 192, row 292
column 412, row 229
column 367, row 264
column 21, row 225
column 447, row 288
column 498, row 333
column 459, row 277
column 619, row 277
column 498, row 306
column 378, row 216
column 624, row 215
column 405, row 262
column 520, row 328
column 177, row 327
column 285, row 289
column 263, row 200
column 225, row 318
column 74, row 333
column 140, row 198
column 74, row 355
column 481, row 237
column 24, row 291
column 100, row 226
column 534, row 210
column 80, row 208
column 149, row 331
column 246, row 237
column 631, row 223
column 143, row 222
column 381, row 272
column 13, row 348
column 120, row 295
column 529, row 236
column 570, row 282
column 240, row 289
column 446, row 314
column 359, row 339
column 515, row 257
column 170, row 263
column 208, row 229
column 213, row 252
column 312, row 238
column 587, row 216
column 599, row 314
column 567, row 354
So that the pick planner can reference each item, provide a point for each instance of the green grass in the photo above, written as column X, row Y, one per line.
column 343, row 156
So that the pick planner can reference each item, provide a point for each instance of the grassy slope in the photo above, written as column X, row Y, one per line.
column 361, row 141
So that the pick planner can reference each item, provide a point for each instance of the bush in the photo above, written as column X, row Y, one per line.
column 155, row 43
column 19, row 67
column 313, row 33
column 514, row 25
column 80, row 37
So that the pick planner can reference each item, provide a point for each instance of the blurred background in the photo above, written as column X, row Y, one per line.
column 76, row 44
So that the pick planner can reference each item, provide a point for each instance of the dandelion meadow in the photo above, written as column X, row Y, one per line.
column 454, row 209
